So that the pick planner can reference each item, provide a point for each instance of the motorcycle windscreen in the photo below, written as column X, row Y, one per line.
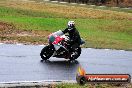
column 58, row 33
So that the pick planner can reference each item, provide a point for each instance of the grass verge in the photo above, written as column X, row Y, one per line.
column 70, row 85
column 99, row 28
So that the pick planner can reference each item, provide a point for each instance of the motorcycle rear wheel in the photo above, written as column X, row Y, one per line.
column 47, row 52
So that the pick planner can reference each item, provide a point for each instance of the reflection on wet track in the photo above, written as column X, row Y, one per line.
column 22, row 63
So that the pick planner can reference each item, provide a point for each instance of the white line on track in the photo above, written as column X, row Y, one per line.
column 121, row 50
column 41, row 45
column 1, row 43
column 39, row 81
column 89, row 48
column 19, row 44
column 106, row 49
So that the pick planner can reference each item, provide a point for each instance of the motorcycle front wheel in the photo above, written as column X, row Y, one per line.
column 47, row 52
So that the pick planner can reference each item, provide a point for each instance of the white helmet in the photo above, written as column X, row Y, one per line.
column 71, row 24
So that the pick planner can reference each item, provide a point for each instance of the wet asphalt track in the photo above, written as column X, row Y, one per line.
column 22, row 63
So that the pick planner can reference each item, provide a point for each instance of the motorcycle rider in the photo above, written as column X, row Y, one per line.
column 74, row 35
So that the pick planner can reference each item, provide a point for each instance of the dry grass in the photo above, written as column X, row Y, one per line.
column 69, row 11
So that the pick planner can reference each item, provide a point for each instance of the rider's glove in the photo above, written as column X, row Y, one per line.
column 70, row 42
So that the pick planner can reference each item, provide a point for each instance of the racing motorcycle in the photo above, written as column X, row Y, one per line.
column 58, row 47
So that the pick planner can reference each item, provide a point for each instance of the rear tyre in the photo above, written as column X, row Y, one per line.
column 47, row 52
column 75, row 54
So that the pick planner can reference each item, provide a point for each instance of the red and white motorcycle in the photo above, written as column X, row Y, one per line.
column 58, row 47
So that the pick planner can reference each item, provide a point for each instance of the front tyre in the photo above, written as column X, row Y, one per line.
column 75, row 54
column 47, row 52
column 81, row 80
